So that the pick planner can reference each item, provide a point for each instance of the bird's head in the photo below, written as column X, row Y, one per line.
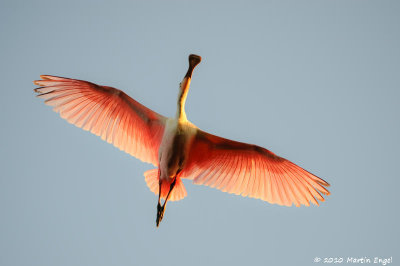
column 194, row 60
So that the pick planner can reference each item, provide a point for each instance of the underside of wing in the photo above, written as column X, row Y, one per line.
column 251, row 171
column 106, row 112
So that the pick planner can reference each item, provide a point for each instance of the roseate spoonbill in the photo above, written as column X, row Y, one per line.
column 177, row 147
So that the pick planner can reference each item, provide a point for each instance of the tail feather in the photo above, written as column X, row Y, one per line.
column 152, row 181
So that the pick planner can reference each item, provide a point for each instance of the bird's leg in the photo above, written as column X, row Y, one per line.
column 161, row 209
column 169, row 192
column 159, row 214
column 159, row 194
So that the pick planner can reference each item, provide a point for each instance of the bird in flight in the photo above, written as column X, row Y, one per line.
column 177, row 148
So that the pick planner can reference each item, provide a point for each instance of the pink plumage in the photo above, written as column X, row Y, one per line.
column 106, row 112
column 177, row 147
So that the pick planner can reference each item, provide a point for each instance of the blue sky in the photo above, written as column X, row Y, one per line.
column 314, row 81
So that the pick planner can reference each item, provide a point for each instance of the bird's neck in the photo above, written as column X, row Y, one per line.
column 183, row 91
column 194, row 60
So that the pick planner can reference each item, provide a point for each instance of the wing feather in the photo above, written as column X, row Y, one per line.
column 251, row 171
column 230, row 183
column 106, row 112
column 221, row 171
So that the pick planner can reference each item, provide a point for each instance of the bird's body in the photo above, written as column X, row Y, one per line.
column 177, row 147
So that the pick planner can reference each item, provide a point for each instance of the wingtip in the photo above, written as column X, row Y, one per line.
column 322, row 181
column 45, row 77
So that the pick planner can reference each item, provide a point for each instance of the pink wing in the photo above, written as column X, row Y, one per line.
column 106, row 112
column 252, row 171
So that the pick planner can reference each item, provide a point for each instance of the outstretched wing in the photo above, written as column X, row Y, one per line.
column 251, row 171
column 106, row 112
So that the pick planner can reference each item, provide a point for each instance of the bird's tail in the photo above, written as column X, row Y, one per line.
column 152, row 180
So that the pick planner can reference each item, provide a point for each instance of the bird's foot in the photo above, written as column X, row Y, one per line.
column 160, row 213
